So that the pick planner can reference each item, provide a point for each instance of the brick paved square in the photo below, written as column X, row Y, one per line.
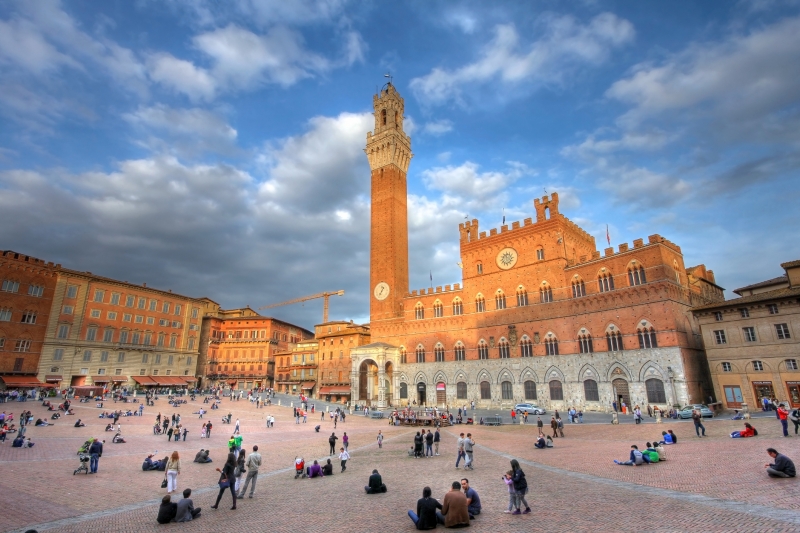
column 713, row 484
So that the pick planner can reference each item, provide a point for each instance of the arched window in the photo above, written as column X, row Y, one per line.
column 420, row 354
column 458, row 308
column 402, row 355
column 483, row 350
column 539, row 254
column 438, row 309
column 504, row 348
column 499, row 300
column 459, row 351
column 585, row 343
column 522, row 296
column 647, row 337
column 438, row 352
column 545, row 293
column 404, row 390
column 507, row 390
column 556, row 392
column 636, row 275
column 486, row 390
column 461, row 390
column 480, row 268
column 530, row 390
column 551, row 345
column 590, row 391
column 655, row 391
column 578, row 288
column 605, row 282
column 526, row 347
column 480, row 304
column 419, row 311
column 614, row 341
column 383, row 116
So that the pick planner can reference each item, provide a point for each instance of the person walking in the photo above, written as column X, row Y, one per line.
column 236, row 430
column 226, row 480
column 208, row 430
column 783, row 414
column 460, row 446
column 520, row 488
column 239, row 471
column 95, row 452
column 380, row 439
column 468, row 444
column 560, row 427
column 332, row 441
column 173, row 469
column 539, row 424
column 697, row 418
column 345, row 440
column 436, row 441
column 343, row 457
column 554, row 426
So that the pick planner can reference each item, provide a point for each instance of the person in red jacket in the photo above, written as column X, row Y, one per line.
column 782, row 415
column 513, row 415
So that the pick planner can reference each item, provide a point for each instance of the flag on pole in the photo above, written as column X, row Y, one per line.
column 504, row 215
column 608, row 236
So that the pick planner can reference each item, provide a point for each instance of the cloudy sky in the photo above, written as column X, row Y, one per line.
column 216, row 148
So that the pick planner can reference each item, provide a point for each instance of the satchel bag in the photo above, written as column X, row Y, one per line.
column 224, row 484
column 164, row 482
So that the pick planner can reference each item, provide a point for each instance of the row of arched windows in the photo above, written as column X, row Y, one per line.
column 646, row 335
column 605, row 282
column 591, row 393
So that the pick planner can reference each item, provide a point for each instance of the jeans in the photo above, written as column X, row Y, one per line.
column 697, row 427
column 458, row 459
column 95, row 459
column 785, row 424
column 414, row 518
column 222, row 491
column 428, row 449
column 519, row 500
column 774, row 473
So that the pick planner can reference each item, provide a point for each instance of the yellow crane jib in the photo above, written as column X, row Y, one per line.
column 323, row 295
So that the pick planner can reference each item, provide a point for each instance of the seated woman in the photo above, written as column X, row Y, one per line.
column 167, row 511
column 327, row 469
column 40, row 422
column 18, row 442
column 118, row 439
column 55, row 416
column 315, row 470
column 79, row 424
column 70, row 411
column 110, row 427
column 667, row 438
column 748, row 431
column 549, row 442
column 540, row 442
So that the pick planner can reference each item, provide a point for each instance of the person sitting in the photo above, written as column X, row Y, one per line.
column 185, row 511
column 79, row 424
column 167, row 510
column 18, row 442
column 651, row 453
column 316, row 428
column 150, row 464
column 299, row 467
column 376, row 485
column 540, row 442
column 667, row 438
column 737, row 415
column 662, row 454
column 70, row 411
column 673, row 436
column 315, row 470
column 110, row 427
column 202, row 457
column 27, row 443
column 636, row 458
column 118, row 439
column 425, row 517
column 454, row 511
column 40, row 422
column 473, row 500
column 411, row 452
column 549, row 442
column 782, row 467
column 748, row 431
column 327, row 469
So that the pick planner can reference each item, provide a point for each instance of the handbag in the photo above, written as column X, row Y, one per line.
column 164, row 482
column 224, row 484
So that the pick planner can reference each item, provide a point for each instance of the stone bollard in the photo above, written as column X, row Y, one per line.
column 521, row 421
column 614, row 418
column 350, row 411
column 279, row 402
column 291, row 405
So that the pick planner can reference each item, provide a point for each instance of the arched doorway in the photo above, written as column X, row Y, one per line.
column 422, row 393
column 368, row 382
column 441, row 394
column 621, row 394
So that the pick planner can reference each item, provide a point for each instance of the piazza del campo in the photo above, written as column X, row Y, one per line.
column 557, row 384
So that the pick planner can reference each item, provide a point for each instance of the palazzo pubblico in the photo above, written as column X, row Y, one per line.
column 541, row 315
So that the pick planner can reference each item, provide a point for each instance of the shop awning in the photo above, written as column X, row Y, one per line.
column 52, row 378
column 22, row 381
column 308, row 385
column 188, row 379
column 145, row 380
column 101, row 379
column 342, row 391
column 118, row 379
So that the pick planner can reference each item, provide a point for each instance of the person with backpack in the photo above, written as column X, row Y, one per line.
column 636, row 458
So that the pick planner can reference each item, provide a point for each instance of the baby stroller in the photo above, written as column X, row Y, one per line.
column 84, row 466
column 299, row 468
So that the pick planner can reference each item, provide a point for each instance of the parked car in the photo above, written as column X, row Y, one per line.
column 530, row 408
column 705, row 412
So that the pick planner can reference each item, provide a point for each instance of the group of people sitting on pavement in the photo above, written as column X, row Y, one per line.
column 652, row 454
column 183, row 511
column 544, row 441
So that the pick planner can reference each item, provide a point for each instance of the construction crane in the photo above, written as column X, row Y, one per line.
column 323, row 295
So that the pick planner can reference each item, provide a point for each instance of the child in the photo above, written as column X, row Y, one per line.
column 380, row 439
column 511, row 492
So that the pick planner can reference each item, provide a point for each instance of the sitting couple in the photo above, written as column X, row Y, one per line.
column 544, row 442
column 183, row 511
column 453, row 513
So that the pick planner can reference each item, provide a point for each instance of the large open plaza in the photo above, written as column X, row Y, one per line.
column 714, row 483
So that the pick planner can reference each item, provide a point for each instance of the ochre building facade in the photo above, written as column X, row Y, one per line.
column 541, row 314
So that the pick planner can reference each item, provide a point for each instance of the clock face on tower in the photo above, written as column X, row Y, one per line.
column 507, row 258
column 381, row 291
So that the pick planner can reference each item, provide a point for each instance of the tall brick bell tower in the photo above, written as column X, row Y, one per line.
column 389, row 153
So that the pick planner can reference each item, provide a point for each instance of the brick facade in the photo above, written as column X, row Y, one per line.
column 336, row 340
column 537, row 303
